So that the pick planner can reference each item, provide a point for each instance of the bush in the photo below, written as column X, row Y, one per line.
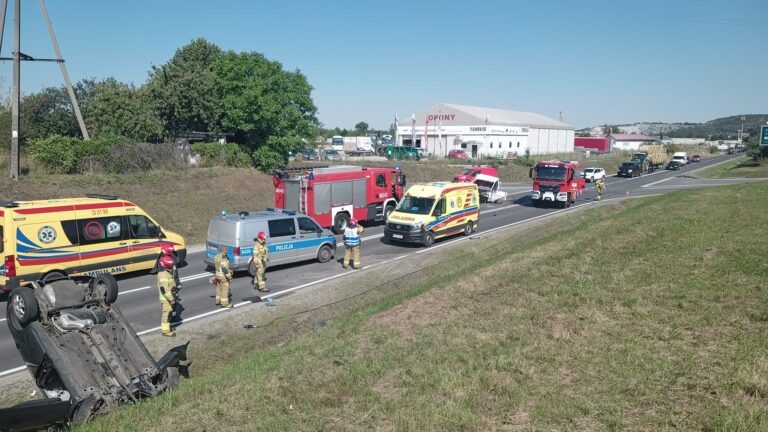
column 526, row 160
column 217, row 154
column 267, row 159
column 62, row 154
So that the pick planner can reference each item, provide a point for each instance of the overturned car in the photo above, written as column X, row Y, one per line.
column 82, row 353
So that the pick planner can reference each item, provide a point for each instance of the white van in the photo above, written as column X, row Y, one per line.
column 681, row 158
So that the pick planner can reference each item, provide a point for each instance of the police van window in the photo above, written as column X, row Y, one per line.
column 142, row 227
column 307, row 225
column 381, row 180
column 100, row 230
column 281, row 227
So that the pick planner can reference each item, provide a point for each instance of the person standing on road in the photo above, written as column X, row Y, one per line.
column 166, row 288
column 223, row 278
column 352, row 244
column 166, row 249
column 600, row 186
column 260, row 258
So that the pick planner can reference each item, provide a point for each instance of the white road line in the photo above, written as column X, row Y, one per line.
column 14, row 370
column 657, row 182
column 499, row 208
column 1, row 320
column 184, row 279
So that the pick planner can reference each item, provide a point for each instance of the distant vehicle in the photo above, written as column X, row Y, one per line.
column 695, row 158
column 592, row 174
column 469, row 174
column 490, row 189
column 674, row 165
column 331, row 155
column 358, row 146
column 651, row 157
column 681, row 157
column 402, row 152
column 630, row 169
column 309, row 154
column 458, row 154
column 337, row 143
column 556, row 182
column 386, row 139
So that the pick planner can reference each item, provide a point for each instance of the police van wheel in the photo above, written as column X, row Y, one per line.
column 324, row 254
column 23, row 305
column 468, row 228
column 340, row 223
column 429, row 239
column 252, row 268
column 105, row 286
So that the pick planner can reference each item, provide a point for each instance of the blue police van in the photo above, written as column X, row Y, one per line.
column 291, row 238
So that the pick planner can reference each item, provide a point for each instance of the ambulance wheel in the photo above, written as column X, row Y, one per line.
column 23, row 305
column 54, row 275
column 429, row 239
column 105, row 286
column 324, row 254
column 468, row 228
column 340, row 223
column 388, row 210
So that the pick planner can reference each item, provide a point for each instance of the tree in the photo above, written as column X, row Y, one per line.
column 361, row 128
column 607, row 130
column 47, row 112
column 184, row 92
column 112, row 108
column 755, row 150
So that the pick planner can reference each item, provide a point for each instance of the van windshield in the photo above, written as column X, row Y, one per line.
column 416, row 205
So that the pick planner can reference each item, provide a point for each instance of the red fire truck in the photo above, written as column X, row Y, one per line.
column 333, row 195
column 556, row 182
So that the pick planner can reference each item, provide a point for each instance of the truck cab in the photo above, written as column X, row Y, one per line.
column 556, row 182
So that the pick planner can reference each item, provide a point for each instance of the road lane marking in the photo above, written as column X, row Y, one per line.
column 184, row 279
column 14, row 370
column 657, row 182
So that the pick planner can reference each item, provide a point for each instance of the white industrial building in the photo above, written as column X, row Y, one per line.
column 484, row 132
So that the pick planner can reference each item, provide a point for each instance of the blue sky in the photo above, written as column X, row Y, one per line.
column 602, row 61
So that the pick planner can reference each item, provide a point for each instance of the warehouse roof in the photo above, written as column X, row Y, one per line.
column 472, row 115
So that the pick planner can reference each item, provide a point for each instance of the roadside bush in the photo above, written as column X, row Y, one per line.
column 267, row 159
column 217, row 154
column 672, row 148
column 62, row 154
column 526, row 160
column 124, row 156
column 713, row 150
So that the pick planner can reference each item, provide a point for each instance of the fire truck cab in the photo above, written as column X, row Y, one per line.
column 556, row 182
column 333, row 195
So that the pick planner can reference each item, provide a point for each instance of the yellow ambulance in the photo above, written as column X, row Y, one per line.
column 77, row 237
column 430, row 211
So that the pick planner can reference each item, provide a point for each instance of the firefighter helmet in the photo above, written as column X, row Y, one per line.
column 167, row 262
column 166, row 249
column 262, row 235
column 353, row 222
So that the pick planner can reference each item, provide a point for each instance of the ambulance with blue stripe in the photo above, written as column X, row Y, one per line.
column 291, row 238
column 78, row 237
column 430, row 211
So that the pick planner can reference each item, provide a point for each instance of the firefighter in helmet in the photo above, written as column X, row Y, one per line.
column 260, row 258
column 166, row 287
column 223, row 278
column 600, row 186
column 352, row 244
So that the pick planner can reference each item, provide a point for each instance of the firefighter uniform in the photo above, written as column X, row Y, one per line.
column 260, row 258
column 223, row 278
column 600, row 186
column 166, row 287
column 352, row 246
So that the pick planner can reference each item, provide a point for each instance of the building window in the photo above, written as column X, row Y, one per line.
column 510, row 144
column 491, row 144
column 518, row 144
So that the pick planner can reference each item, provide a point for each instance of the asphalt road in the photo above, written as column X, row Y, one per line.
column 138, row 294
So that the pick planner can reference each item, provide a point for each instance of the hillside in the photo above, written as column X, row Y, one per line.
column 720, row 128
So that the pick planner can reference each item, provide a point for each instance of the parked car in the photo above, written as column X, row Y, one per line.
column 458, row 154
column 594, row 173
column 674, row 165
column 82, row 352
column 629, row 169
column 470, row 174
column 309, row 154
column 331, row 155
column 695, row 158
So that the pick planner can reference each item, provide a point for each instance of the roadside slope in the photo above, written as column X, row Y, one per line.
column 651, row 317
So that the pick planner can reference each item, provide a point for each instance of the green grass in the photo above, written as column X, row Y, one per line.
column 739, row 167
column 645, row 315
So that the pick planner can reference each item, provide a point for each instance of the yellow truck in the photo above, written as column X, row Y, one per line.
column 430, row 211
column 44, row 239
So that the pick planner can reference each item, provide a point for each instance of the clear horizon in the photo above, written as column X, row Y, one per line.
column 614, row 62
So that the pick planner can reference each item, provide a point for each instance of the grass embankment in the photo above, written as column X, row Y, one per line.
column 647, row 315
column 739, row 167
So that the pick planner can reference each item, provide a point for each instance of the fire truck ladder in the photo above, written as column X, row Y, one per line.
column 303, row 186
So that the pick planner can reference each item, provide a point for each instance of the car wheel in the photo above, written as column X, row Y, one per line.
column 324, row 254
column 23, row 305
column 429, row 239
column 388, row 211
column 105, row 286
column 468, row 228
column 340, row 223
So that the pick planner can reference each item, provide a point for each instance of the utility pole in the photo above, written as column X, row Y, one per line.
column 17, row 57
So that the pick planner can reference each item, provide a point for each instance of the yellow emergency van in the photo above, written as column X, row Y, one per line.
column 430, row 211
column 78, row 237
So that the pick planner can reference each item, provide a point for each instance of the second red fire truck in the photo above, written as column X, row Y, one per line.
column 556, row 182
column 333, row 195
